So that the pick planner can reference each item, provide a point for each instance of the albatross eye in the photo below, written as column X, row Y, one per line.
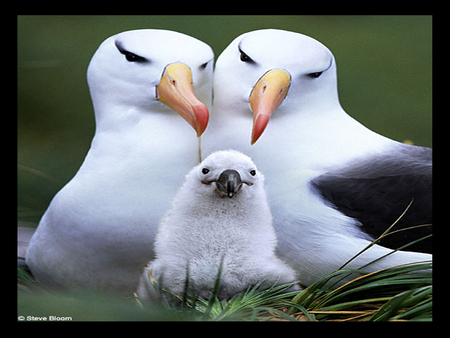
column 132, row 57
column 245, row 58
column 315, row 75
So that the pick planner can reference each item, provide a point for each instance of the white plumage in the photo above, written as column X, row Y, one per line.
column 276, row 100
column 220, row 212
column 98, row 230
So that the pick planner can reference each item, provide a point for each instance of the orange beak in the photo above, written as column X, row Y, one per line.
column 268, row 93
column 176, row 91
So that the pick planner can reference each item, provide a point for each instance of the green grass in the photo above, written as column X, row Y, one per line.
column 401, row 293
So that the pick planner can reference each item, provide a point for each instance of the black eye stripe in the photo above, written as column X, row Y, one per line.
column 133, row 57
column 315, row 75
column 129, row 56
column 244, row 57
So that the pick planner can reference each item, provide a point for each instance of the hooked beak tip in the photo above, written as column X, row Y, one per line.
column 229, row 183
column 259, row 125
column 201, row 114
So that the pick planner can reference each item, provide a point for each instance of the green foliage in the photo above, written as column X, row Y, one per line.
column 401, row 293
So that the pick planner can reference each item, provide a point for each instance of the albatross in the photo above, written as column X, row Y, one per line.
column 333, row 184
column 98, row 230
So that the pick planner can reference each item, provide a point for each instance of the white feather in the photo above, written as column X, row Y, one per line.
column 204, row 226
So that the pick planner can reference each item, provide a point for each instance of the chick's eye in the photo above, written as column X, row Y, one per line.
column 253, row 172
column 205, row 171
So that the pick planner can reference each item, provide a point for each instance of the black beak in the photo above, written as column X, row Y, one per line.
column 229, row 183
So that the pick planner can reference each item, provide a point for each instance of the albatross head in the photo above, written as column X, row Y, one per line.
column 150, row 70
column 275, row 72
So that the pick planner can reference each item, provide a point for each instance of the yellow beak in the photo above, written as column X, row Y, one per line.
column 176, row 91
column 268, row 93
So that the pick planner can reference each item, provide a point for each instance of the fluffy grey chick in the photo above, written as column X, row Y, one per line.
column 219, row 217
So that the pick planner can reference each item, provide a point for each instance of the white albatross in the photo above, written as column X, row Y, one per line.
column 333, row 185
column 98, row 230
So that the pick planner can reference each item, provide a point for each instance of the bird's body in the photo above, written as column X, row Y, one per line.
column 326, row 174
column 206, row 231
column 97, row 229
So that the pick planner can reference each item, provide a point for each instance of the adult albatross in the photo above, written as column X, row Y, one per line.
column 333, row 185
column 98, row 231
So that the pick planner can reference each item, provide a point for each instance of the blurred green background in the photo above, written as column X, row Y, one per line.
column 384, row 72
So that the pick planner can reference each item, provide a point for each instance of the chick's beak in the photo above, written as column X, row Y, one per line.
column 176, row 91
column 229, row 183
column 268, row 93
